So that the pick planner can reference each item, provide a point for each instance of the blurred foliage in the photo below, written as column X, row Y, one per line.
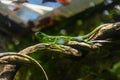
column 103, row 65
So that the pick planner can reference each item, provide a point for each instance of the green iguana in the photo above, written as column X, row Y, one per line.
column 44, row 38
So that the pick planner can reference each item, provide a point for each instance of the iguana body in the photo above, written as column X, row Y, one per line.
column 56, row 39
column 44, row 38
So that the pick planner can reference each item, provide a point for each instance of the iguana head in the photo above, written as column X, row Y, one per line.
column 40, row 35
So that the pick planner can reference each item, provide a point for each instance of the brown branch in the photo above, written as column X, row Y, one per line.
column 52, row 47
column 110, row 33
column 9, row 71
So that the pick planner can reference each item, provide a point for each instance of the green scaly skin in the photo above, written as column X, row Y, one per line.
column 44, row 38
